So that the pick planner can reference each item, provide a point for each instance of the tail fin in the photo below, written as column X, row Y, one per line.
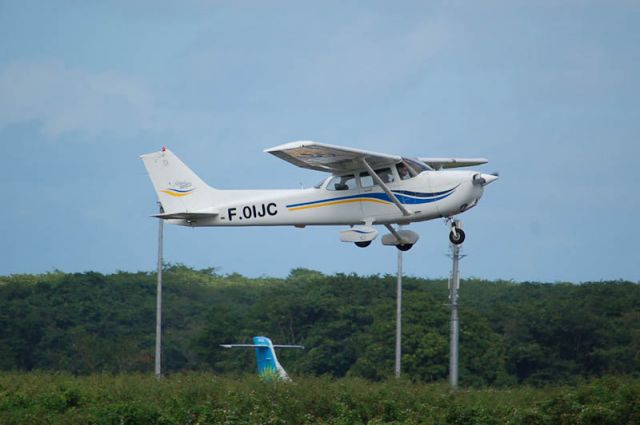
column 268, row 365
column 178, row 188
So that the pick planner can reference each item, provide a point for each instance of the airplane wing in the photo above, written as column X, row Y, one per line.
column 438, row 163
column 330, row 158
column 337, row 159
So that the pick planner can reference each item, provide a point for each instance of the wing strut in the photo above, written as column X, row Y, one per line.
column 384, row 187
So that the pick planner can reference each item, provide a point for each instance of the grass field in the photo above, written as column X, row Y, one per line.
column 200, row 398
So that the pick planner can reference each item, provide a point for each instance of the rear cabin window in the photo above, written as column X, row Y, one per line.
column 366, row 180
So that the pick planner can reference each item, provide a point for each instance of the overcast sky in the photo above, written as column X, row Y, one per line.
column 549, row 91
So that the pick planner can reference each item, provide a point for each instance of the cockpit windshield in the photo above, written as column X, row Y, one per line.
column 410, row 168
column 416, row 166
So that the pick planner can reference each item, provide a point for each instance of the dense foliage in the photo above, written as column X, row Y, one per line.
column 510, row 333
column 202, row 398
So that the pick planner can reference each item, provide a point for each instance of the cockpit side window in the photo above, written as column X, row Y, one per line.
column 385, row 175
column 404, row 172
column 347, row 182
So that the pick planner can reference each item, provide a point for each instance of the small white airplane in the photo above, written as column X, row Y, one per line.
column 364, row 189
column 268, row 365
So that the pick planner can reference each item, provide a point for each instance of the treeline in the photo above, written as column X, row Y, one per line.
column 510, row 333
column 40, row 398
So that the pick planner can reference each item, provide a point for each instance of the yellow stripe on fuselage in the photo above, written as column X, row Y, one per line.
column 345, row 201
column 176, row 194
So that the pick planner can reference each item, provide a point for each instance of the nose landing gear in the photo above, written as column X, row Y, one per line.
column 456, row 236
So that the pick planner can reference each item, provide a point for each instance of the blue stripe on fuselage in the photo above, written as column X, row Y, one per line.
column 404, row 196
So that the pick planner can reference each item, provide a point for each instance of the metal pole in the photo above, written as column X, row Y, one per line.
column 454, row 285
column 159, row 299
column 399, row 316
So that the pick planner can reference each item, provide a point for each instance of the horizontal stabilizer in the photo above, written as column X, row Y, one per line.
column 186, row 215
column 260, row 345
column 243, row 345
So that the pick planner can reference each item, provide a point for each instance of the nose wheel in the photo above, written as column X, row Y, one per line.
column 456, row 236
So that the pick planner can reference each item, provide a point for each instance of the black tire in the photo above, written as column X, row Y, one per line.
column 405, row 246
column 363, row 244
column 458, row 238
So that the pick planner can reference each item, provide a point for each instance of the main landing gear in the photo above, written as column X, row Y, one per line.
column 456, row 236
column 401, row 247
column 363, row 235
column 402, row 239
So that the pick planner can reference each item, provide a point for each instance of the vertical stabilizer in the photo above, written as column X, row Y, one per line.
column 268, row 365
column 178, row 188
column 269, row 368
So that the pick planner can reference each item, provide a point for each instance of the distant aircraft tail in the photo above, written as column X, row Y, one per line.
column 179, row 189
column 268, row 366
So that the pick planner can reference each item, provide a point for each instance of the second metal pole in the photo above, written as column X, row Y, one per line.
column 454, row 285
column 399, row 316
column 159, row 299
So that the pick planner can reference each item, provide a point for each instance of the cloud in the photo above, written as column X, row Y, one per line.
column 65, row 100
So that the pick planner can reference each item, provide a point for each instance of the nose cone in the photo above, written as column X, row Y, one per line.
column 483, row 179
column 488, row 178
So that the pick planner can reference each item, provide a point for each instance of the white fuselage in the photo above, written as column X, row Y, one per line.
column 429, row 195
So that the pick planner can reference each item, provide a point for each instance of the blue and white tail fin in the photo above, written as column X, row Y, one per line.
column 268, row 365
column 178, row 188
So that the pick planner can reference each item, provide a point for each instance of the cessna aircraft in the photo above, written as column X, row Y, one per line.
column 364, row 189
column 268, row 365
